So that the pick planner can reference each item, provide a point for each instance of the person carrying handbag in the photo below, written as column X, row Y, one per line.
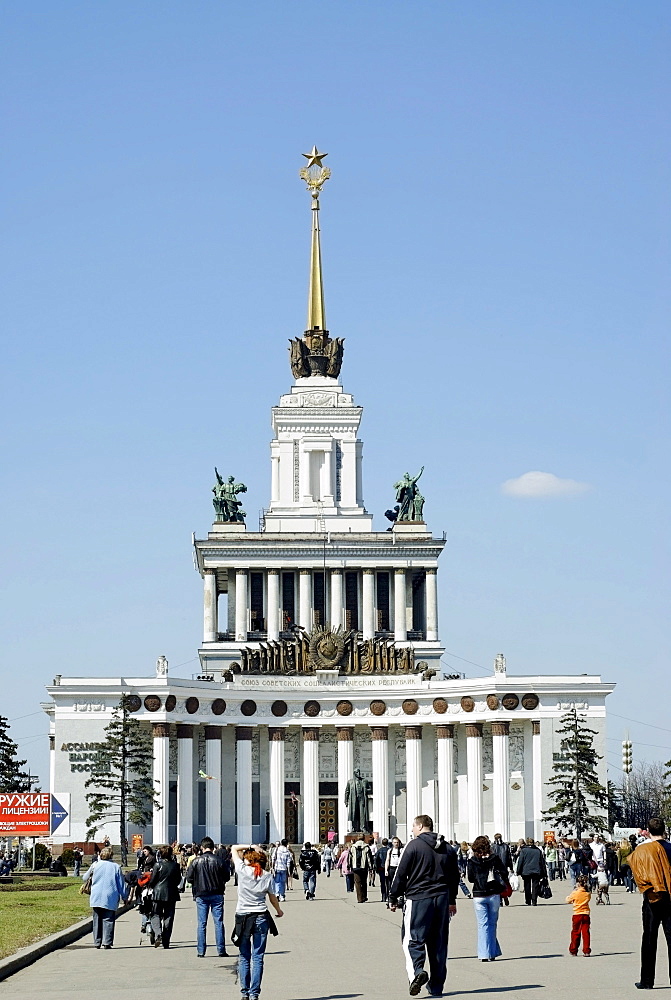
column 164, row 882
column 532, row 868
column 108, row 889
column 490, row 878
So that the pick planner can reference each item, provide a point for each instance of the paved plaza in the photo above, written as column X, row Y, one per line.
column 336, row 949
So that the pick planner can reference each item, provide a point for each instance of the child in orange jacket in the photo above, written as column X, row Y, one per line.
column 580, row 898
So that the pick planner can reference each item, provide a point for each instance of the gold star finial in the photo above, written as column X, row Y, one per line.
column 314, row 157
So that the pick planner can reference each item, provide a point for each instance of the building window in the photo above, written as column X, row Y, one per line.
column 288, row 600
column 202, row 808
column 316, row 462
column 382, row 602
column 258, row 623
column 319, row 606
column 352, row 601
column 418, row 601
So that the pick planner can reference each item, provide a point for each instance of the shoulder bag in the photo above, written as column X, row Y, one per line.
column 85, row 887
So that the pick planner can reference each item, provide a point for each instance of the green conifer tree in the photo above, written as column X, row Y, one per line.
column 12, row 777
column 580, row 800
column 122, row 777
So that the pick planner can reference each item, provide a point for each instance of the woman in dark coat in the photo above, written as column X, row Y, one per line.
column 489, row 876
column 164, row 883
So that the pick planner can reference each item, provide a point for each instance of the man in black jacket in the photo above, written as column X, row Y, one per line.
column 502, row 851
column 208, row 876
column 428, row 877
column 531, row 868
column 310, row 864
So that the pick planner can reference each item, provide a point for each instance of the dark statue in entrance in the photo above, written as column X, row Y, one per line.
column 356, row 800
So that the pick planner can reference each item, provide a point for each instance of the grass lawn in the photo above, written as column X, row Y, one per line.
column 30, row 915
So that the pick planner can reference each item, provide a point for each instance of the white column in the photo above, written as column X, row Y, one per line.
column 336, row 598
column 230, row 624
column 213, row 786
column 304, row 476
column 537, row 778
column 311, row 785
column 185, row 783
column 275, row 472
column 445, row 749
column 273, row 612
column 327, row 483
column 368, row 602
column 500, row 739
column 474, row 772
column 345, row 772
column 305, row 599
column 431, row 605
column 380, row 747
column 276, row 746
column 210, row 606
column 241, row 616
column 161, row 776
column 413, row 776
column 243, row 736
column 52, row 763
column 400, row 628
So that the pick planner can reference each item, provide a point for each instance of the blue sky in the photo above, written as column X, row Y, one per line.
column 496, row 247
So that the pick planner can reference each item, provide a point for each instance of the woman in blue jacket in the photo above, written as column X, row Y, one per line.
column 107, row 890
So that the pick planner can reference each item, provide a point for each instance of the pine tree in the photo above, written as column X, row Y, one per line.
column 12, row 777
column 122, row 777
column 580, row 800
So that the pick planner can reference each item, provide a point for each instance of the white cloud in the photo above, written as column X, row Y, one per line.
column 538, row 485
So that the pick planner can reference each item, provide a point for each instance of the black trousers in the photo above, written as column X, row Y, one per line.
column 653, row 915
column 531, row 888
column 162, row 920
column 424, row 933
column 383, row 885
column 361, row 884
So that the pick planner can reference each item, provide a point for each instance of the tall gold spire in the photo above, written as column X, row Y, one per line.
column 315, row 353
column 315, row 175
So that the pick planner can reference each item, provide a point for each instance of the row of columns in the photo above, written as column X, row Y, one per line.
column 238, row 587
column 310, row 786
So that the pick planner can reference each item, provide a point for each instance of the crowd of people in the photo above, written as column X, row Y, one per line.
column 422, row 878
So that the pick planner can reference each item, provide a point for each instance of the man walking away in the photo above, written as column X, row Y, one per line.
column 380, row 866
column 360, row 862
column 282, row 858
column 531, row 867
column 651, row 867
column 310, row 864
column 327, row 859
column 208, row 876
column 429, row 879
column 502, row 851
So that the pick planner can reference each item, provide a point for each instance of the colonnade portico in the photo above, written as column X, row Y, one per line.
column 372, row 605
column 384, row 804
